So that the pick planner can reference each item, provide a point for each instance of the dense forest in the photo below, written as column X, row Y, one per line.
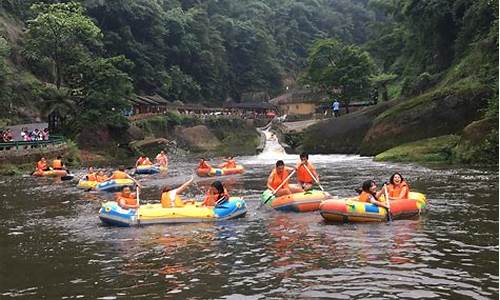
column 85, row 58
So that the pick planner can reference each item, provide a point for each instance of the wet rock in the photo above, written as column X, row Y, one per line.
column 198, row 138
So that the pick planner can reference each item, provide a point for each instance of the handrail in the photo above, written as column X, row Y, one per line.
column 53, row 140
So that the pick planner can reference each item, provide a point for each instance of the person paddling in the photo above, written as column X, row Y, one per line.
column 369, row 194
column 42, row 165
column 397, row 188
column 126, row 199
column 277, row 177
column 203, row 165
column 229, row 163
column 304, row 177
column 57, row 164
column 216, row 194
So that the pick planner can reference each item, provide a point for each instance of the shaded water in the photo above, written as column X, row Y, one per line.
column 53, row 245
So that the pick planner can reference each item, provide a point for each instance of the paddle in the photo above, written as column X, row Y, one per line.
column 315, row 179
column 137, row 189
column 277, row 189
column 388, row 203
column 67, row 177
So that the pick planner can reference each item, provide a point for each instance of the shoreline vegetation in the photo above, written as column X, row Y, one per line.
column 430, row 68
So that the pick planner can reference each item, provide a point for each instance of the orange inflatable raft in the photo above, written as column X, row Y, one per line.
column 352, row 210
column 50, row 173
column 298, row 202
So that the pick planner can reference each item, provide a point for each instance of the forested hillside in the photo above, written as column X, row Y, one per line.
column 193, row 51
column 85, row 58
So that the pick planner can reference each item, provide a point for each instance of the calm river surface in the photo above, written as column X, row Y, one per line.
column 53, row 245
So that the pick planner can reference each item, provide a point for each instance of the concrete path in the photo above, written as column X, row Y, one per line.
column 298, row 126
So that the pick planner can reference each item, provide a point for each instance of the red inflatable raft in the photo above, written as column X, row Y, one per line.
column 352, row 210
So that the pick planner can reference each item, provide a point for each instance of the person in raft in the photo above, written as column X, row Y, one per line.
column 397, row 188
column 229, row 163
column 277, row 176
column 57, row 164
column 216, row 194
column 101, row 177
column 91, row 174
column 143, row 161
column 306, row 181
column 162, row 159
column 42, row 165
column 171, row 197
column 203, row 165
column 126, row 199
column 120, row 174
column 369, row 194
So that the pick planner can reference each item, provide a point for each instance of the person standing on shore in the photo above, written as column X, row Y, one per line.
column 336, row 108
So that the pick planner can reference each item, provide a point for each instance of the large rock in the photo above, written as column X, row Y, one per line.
column 343, row 134
column 479, row 143
column 437, row 113
column 199, row 138
column 152, row 146
column 135, row 132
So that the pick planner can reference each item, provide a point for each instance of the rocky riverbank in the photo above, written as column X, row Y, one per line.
column 444, row 124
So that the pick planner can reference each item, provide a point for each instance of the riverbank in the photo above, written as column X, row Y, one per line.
column 415, row 129
column 178, row 135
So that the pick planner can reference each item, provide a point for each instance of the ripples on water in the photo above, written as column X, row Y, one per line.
column 54, row 246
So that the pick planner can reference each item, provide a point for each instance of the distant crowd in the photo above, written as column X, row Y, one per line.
column 26, row 135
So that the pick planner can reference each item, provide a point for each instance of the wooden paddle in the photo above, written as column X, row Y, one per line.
column 388, row 203
column 315, row 179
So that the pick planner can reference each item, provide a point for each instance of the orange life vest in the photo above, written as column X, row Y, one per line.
column 211, row 199
column 204, row 166
column 92, row 177
column 146, row 162
column 119, row 175
column 42, row 165
column 365, row 197
column 101, row 178
column 230, row 164
column 395, row 190
column 57, row 164
column 303, row 175
column 130, row 199
column 167, row 203
column 277, row 179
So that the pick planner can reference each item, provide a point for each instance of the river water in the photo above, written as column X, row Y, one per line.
column 53, row 245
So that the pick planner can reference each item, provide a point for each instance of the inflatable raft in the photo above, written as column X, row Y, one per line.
column 112, row 214
column 114, row 185
column 86, row 184
column 151, row 169
column 220, row 172
column 50, row 173
column 352, row 210
column 298, row 202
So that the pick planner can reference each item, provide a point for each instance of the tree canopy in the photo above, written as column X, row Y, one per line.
column 340, row 70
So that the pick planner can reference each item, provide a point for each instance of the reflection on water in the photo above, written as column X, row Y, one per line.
column 54, row 246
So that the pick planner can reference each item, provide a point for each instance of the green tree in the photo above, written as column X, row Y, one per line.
column 60, row 35
column 340, row 70
column 102, row 92
column 4, row 52
column 380, row 81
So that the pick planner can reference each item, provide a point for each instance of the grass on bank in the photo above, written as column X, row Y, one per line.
column 436, row 149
